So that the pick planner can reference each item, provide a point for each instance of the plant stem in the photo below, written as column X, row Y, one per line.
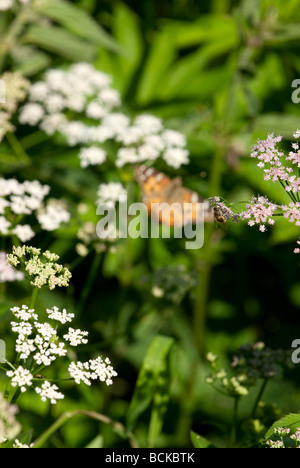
column 18, row 148
column 259, row 397
column 13, row 33
column 33, row 298
column 204, row 264
column 64, row 418
column 90, row 281
column 235, row 422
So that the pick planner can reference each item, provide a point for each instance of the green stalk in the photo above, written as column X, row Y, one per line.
column 15, row 30
column 64, row 418
column 235, row 422
column 259, row 397
column 33, row 298
column 204, row 266
column 17, row 148
column 90, row 281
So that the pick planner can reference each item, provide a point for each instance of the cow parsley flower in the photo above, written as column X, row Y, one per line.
column 16, row 87
column 76, row 337
column 49, row 392
column 6, row 5
column 53, row 216
column 92, row 370
column 39, row 344
column 7, row 273
column 41, row 267
column 21, row 378
column 28, row 198
column 110, row 193
column 9, row 426
column 19, row 445
column 80, row 372
column 86, row 92
column 92, row 156
column 58, row 316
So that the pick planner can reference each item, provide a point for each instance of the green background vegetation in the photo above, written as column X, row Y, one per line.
column 221, row 73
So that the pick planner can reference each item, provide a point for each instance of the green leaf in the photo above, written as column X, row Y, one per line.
column 78, row 22
column 209, row 28
column 61, row 42
column 35, row 63
column 128, row 34
column 189, row 73
column 96, row 443
column 292, row 421
column 152, row 387
column 285, row 33
column 200, row 442
column 284, row 232
column 161, row 56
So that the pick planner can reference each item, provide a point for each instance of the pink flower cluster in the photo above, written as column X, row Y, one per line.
column 294, row 156
column 260, row 211
column 297, row 251
column 273, row 161
column 292, row 212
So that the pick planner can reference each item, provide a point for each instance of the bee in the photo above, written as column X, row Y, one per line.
column 218, row 215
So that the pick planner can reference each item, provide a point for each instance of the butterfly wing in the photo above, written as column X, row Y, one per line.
column 167, row 200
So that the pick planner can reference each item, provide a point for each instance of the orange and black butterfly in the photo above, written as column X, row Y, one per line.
column 158, row 188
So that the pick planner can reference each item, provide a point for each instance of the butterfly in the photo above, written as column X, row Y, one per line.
column 158, row 188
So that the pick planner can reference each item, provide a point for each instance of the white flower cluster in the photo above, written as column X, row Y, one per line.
column 6, row 5
column 15, row 92
column 40, row 342
column 81, row 104
column 96, row 369
column 109, row 194
column 19, row 445
column 24, row 199
column 7, row 273
column 285, row 438
column 9, row 426
column 41, row 267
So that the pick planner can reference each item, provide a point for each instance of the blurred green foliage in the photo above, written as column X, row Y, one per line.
column 221, row 72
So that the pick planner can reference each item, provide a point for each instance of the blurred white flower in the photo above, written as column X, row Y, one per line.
column 24, row 233
column 92, row 156
column 110, row 193
column 6, row 4
column 7, row 273
column 28, row 198
column 88, row 92
column 9, row 426
column 53, row 216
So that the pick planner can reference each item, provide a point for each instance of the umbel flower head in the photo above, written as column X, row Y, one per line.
column 253, row 362
column 260, row 362
column 41, row 268
column 15, row 91
column 9, row 427
column 39, row 344
column 24, row 199
column 284, row 438
column 59, row 102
